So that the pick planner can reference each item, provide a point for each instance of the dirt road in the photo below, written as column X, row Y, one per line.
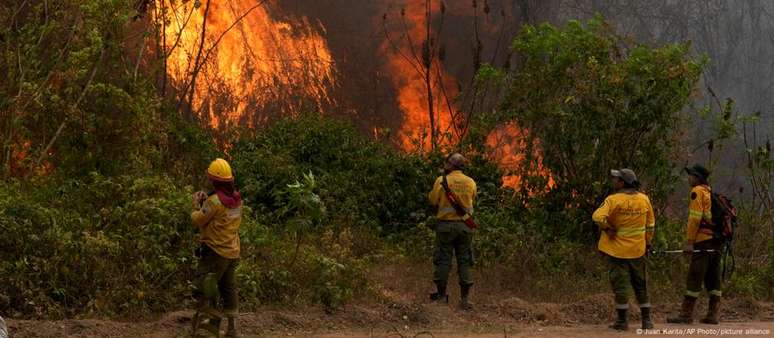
column 753, row 329
column 92, row 328
column 399, row 308
column 510, row 318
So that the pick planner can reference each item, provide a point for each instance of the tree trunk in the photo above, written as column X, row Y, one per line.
column 191, row 87
column 427, row 59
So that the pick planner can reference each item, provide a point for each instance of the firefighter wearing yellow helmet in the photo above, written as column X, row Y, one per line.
column 217, row 216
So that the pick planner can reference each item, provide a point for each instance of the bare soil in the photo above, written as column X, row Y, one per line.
column 400, row 309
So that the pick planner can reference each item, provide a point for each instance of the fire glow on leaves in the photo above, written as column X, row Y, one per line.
column 252, row 65
column 508, row 146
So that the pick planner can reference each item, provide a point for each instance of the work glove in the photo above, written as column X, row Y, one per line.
column 197, row 199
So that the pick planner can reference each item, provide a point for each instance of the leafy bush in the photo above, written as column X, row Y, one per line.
column 590, row 103
column 124, row 245
column 360, row 181
column 103, row 245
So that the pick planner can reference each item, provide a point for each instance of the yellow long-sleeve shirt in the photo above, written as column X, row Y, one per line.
column 699, row 208
column 219, row 227
column 631, row 216
column 463, row 187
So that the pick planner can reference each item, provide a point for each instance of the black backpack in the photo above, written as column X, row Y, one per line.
column 723, row 217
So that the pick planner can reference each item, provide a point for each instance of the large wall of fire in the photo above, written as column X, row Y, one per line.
column 346, row 58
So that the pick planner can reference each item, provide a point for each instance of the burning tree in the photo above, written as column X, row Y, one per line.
column 233, row 64
column 422, row 54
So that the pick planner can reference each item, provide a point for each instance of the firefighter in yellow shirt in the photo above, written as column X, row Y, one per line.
column 706, row 259
column 453, row 236
column 218, row 217
column 627, row 223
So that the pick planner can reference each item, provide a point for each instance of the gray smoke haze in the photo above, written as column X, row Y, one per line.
column 737, row 36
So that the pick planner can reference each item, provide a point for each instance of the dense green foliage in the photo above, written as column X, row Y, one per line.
column 349, row 170
column 118, row 245
column 72, row 99
column 99, row 225
column 591, row 103
column 95, row 245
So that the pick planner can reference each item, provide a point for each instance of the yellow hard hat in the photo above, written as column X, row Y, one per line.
column 220, row 170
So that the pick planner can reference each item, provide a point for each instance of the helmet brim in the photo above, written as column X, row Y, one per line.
column 220, row 179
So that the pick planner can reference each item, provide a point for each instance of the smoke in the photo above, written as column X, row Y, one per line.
column 737, row 36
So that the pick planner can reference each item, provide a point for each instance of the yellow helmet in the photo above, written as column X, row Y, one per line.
column 220, row 170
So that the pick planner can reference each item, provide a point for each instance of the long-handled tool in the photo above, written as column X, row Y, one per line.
column 729, row 261
column 680, row 251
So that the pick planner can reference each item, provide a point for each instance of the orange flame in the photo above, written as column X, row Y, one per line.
column 403, row 48
column 258, row 61
column 254, row 62
column 508, row 144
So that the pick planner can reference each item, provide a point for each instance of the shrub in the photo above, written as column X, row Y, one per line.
column 589, row 103
column 103, row 245
column 360, row 181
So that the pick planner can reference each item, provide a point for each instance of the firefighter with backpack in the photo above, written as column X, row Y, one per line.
column 453, row 193
column 709, row 228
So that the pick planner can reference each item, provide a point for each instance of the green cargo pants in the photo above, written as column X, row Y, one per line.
column 625, row 272
column 453, row 239
column 216, row 275
column 705, row 268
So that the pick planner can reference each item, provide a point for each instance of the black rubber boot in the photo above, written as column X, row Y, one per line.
column 232, row 331
column 206, row 320
column 440, row 295
column 622, row 322
column 465, row 297
column 212, row 326
column 686, row 312
column 647, row 321
column 713, row 311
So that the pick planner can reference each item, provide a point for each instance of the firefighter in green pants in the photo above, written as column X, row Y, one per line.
column 453, row 237
column 218, row 217
column 705, row 266
column 627, row 223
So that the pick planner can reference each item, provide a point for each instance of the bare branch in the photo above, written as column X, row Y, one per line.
column 179, row 26
column 192, row 83
column 398, row 50
column 197, row 65
column 139, row 54
column 409, row 40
